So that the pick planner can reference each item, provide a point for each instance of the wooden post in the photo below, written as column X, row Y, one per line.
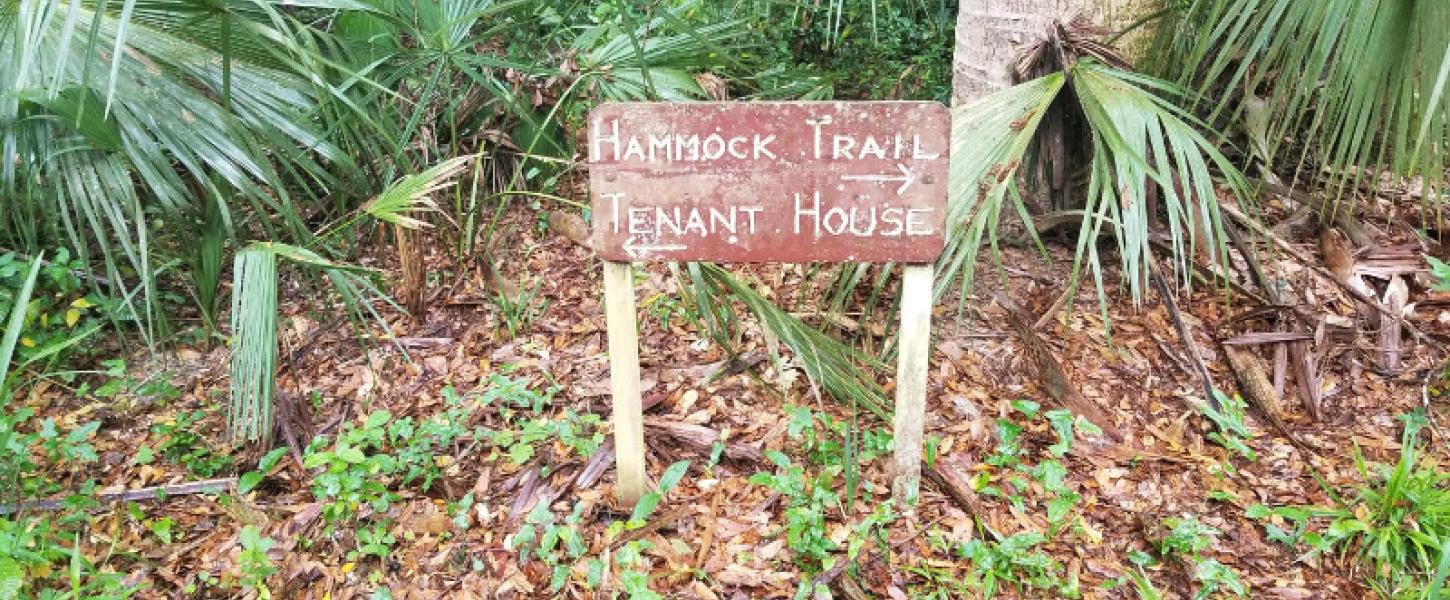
column 911, row 370
column 624, row 381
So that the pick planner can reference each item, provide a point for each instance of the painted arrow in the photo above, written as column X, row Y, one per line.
column 635, row 250
column 906, row 177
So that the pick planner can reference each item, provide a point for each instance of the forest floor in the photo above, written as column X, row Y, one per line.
column 513, row 495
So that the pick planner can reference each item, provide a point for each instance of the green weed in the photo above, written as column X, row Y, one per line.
column 519, row 311
column 1187, row 539
column 253, row 563
column 181, row 444
column 1229, row 431
column 1017, row 562
column 1397, row 523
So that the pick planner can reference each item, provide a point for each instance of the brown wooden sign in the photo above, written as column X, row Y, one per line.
column 769, row 181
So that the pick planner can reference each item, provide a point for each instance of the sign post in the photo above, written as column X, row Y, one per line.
column 769, row 182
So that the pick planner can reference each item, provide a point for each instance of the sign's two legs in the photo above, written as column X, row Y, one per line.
column 624, row 380
column 911, row 372
column 911, row 376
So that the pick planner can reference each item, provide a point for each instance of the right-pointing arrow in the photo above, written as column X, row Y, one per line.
column 906, row 177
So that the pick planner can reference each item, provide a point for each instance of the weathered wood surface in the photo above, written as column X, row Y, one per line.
column 769, row 181
column 911, row 381
column 628, row 417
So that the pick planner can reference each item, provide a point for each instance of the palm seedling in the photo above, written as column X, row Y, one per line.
column 254, row 295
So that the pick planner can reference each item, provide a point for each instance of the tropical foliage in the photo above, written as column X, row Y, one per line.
column 165, row 139
column 1366, row 89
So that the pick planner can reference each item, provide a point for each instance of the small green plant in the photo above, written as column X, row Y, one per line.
column 1009, row 459
column 1065, row 426
column 1397, row 523
column 161, row 528
column 665, row 307
column 936, row 583
column 809, row 501
column 41, row 558
column 58, row 313
column 1016, row 561
column 634, row 571
column 251, row 479
column 1229, row 428
column 1217, row 579
column 519, row 311
column 21, row 442
column 179, row 442
column 1187, row 539
column 253, row 563
column 581, row 433
column 118, row 381
column 1138, row 577
column 373, row 540
column 560, row 545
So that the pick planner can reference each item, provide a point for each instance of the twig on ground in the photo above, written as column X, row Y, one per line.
column 1200, row 369
column 146, row 493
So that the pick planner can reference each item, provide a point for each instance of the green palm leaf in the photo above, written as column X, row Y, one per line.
column 1360, row 84
column 410, row 194
column 254, row 344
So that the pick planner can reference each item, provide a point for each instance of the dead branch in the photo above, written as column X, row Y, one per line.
column 1200, row 369
column 701, row 439
column 146, row 493
column 1259, row 393
column 1050, row 370
column 955, row 487
column 1324, row 273
column 1253, row 381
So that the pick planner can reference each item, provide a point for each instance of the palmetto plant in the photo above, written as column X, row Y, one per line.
column 1335, row 92
column 1141, row 144
column 254, row 294
column 116, row 123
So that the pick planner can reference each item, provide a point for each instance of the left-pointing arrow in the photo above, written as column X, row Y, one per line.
column 636, row 250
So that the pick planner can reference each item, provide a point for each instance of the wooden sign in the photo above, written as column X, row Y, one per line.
column 775, row 181
column 769, row 182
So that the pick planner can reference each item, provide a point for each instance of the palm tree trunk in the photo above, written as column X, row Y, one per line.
column 991, row 34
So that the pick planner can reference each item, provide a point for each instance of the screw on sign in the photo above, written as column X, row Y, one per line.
column 769, row 182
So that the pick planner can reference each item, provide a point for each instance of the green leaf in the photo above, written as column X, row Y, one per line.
column 350, row 454
column 1028, row 408
column 162, row 528
column 643, row 509
column 247, row 481
column 271, row 459
column 672, row 476
column 1059, row 507
column 12, row 579
column 82, row 110
column 14, row 325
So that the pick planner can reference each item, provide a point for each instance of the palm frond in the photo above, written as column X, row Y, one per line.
column 254, row 325
column 1142, row 141
column 110, row 117
column 990, row 137
column 646, row 63
column 410, row 194
column 254, row 344
column 844, row 373
column 14, row 324
column 1359, row 86
column 1141, row 144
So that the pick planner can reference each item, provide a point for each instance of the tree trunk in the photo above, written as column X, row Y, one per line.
column 990, row 34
